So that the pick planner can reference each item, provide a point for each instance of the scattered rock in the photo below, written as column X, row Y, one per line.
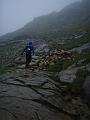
column 87, row 89
column 42, row 62
column 27, row 95
column 69, row 74
column 88, row 67
column 32, row 94
column 81, row 48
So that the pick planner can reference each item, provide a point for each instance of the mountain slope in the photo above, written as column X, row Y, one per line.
column 74, row 16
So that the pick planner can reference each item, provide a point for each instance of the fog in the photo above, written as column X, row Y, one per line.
column 14, row 14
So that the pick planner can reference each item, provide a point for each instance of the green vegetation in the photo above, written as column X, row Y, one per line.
column 76, row 57
column 86, row 56
column 69, row 44
column 60, row 65
column 7, row 55
column 76, row 43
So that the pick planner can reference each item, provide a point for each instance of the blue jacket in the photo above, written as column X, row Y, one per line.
column 29, row 46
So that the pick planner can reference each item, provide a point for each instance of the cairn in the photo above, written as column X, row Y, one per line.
column 41, row 62
column 51, row 58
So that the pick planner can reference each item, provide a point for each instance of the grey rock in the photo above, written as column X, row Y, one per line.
column 88, row 67
column 81, row 48
column 33, row 95
column 69, row 74
column 87, row 89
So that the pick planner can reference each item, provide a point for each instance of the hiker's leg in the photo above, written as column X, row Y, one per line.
column 30, row 58
column 27, row 60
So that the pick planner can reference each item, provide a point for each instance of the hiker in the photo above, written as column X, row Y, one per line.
column 29, row 50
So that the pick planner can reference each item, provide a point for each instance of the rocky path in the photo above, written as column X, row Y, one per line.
column 27, row 95
column 34, row 94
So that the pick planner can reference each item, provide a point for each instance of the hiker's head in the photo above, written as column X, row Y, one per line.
column 30, row 43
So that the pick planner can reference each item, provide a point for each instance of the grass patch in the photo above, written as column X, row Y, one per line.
column 7, row 55
column 86, row 56
column 76, row 42
column 69, row 44
column 4, row 69
column 60, row 65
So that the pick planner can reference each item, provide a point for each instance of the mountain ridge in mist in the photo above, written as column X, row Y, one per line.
column 75, row 14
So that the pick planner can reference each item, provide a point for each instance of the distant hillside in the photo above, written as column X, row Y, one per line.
column 74, row 17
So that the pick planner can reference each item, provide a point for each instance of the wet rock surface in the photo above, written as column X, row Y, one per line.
column 33, row 95
column 22, row 97
column 87, row 89
column 69, row 74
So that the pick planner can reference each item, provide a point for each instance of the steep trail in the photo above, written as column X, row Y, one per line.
column 34, row 94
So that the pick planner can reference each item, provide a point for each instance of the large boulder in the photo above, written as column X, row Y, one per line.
column 69, row 74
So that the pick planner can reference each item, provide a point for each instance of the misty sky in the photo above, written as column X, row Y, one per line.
column 14, row 14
